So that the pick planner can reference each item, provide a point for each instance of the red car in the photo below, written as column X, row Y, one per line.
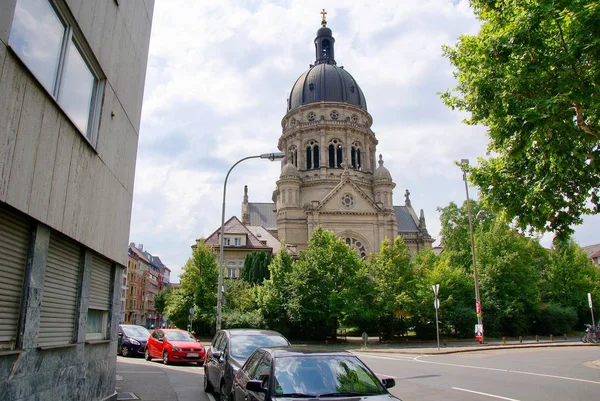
column 173, row 345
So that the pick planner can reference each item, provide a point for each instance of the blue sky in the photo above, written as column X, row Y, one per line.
column 219, row 73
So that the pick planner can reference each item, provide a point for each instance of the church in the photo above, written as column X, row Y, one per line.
column 331, row 175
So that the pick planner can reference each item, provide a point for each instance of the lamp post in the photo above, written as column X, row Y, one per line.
column 269, row 156
column 465, row 163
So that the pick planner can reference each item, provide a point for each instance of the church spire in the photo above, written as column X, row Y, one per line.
column 324, row 43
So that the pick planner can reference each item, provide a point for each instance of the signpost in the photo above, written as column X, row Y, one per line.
column 192, row 310
column 591, row 307
column 436, row 305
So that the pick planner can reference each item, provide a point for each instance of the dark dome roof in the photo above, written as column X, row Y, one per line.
column 325, row 81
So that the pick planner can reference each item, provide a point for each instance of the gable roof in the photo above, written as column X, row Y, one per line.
column 592, row 250
column 140, row 255
column 264, row 235
column 406, row 223
column 356, row 188
column 234, row 225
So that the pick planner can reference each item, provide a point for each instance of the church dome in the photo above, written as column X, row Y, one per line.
column 325, row 81
column 382, row 173
column 289, row 170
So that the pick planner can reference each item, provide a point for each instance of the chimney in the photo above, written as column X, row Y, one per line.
column 140, row 247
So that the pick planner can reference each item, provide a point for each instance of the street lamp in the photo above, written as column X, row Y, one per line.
column 465, row 163
column 269, row 156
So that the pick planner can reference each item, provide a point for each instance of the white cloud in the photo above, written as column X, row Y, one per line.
column 218, row 75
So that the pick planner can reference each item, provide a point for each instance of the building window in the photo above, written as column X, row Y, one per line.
column 356, row 157
column 226, row 241
column 312, row 155
column 237, row 241
column 97, row 324
column 293, row 156
column 335, row 154
column 45, row 40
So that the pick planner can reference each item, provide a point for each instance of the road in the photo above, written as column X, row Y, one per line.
column 546, row 374
column 530, row 374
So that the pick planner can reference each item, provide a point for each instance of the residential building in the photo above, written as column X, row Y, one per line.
column 135, row 303
column 239, row 241
column 72, row 76
column 593, row 251
column 331, row 175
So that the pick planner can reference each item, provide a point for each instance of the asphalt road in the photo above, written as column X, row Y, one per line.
column 544, row 374
column 529, row 374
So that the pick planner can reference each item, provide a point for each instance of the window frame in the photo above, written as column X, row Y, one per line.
column 103, row 334
column 72, row 34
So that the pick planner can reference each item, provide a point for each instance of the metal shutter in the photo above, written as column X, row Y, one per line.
column 100, row 284
column 61, row 285
column 14, row 246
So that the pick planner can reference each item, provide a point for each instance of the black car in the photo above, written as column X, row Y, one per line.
column 132, row 340
column 286, row 373
column 228, row 352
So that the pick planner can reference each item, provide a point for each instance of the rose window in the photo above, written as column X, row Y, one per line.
column 347, row 201
column 357, row 245
column 334, row 115
column 354, row 118
column 311, row 116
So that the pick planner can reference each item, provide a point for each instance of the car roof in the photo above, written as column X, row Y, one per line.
column 131, row 325
column 252, row 332
column 280, row 352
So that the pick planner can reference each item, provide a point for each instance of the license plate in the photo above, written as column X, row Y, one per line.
column 192, row 354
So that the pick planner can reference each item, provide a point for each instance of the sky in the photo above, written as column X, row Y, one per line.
column 218, row 77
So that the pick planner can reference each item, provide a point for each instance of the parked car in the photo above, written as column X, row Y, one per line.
column 228, row 352
column 131, row 340
column 301, row 373
column 174, row 345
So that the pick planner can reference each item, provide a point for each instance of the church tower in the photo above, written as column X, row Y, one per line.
column 330, row 175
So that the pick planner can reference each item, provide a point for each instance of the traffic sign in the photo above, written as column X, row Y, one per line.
column 590, row 300
column 436, row 303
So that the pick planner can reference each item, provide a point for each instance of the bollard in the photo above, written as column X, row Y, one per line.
column 537, row 338
column 503, row 340
column 552, row 337
column 444, row 342
column 365, row 339
column 520, row 339
column 565, row 336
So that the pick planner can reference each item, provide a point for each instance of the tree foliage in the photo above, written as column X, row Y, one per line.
column 531, row 76
column 256, row 267
column 161, row 299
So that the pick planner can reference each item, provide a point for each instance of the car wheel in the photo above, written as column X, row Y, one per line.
column 208, row 387
column 223, row 396
column 166, row 357
column 147, row 355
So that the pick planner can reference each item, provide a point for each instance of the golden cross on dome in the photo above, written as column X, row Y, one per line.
column 323, row 20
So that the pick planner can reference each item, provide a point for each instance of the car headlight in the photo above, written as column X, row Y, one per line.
column 175, row 349
column 134, row 342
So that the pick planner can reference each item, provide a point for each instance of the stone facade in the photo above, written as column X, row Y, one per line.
column 68, row 143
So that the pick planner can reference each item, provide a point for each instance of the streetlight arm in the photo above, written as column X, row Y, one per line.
column 272, row 157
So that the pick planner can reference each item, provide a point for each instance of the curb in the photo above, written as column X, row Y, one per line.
column 435, row 351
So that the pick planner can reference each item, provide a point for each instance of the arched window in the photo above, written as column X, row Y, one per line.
column 335, row 154
column 326, row 49
column 293, row 155
column 356, row 156
column 312, row 155
column 357, row 245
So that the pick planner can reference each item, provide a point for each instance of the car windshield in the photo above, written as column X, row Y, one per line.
column 244, row 345
column 324, row 376
column 136, row 331
column 179, row 336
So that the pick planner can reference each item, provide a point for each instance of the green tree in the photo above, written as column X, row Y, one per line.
column 570, row 277
column 256, row 267
column 161, row 299
column 394, row 283
column 323, row 285
column 509, row 276
column 198, row 289
column 273, row 295
column 531, row 77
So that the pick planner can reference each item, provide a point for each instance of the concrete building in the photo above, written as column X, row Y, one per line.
column 72, row 78
column 331, row 175
column 137, row 277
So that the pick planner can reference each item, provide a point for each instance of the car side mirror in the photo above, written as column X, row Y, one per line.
column 256, row 386
column 160, row 339
column 216, row 354
column 120, row 334
column 388, row 382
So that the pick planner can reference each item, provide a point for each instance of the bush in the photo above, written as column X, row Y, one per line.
column 463, row 319
column 236, row 319
column 555, row 319
column 425, row 331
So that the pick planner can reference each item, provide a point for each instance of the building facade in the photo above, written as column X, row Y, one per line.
column 72, row 75
column 135, row 299
column 331, row 175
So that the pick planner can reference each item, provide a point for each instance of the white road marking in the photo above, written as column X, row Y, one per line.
column 486, row 394
column 510, row 371
column 210, row 396
column 394, row 358
column 385, row 376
